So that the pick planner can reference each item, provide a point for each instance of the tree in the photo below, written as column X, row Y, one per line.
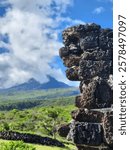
column 4, row 126
column 51, row 121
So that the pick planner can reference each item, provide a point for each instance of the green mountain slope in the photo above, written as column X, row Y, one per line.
column 29, row 99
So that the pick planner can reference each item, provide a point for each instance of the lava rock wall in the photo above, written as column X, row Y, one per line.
column 30, row 138
column 88, row 56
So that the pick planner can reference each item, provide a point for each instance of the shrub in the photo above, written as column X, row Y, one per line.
column 16, row 146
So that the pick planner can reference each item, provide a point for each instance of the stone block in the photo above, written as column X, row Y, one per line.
column 90, row 41
column 106, row 39
column 85, row 115
column 97, row 54
column 87, row 134
column 63, row 130
column 71, row 61
column 89, row 69
column 72, row 73
column 95, row 94
column 63, row 52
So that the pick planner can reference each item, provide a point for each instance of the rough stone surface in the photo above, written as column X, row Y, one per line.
column 78, row 101
column 96, row 94
column 87, row 148
column 93, row 148
column 88, row 56
column 89, row 69
column 87, row 133
column 108, row 127
column 63, row 130
column 72, row 73
column 30, row 138
column 85, row 115
column 71, row 61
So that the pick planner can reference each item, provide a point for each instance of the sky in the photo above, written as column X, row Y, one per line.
column 30, row 35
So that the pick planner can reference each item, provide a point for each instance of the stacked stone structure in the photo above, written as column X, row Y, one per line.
column 88, row 56
column 30, row 138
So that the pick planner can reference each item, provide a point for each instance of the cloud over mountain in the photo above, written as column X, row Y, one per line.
column 29, row 32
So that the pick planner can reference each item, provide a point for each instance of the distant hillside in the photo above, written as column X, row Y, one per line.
column 32, row 84
column 31, row 98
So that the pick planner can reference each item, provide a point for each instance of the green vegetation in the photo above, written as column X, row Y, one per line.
column 37, row 94
column 37, row 112
column 24, row 100
column 26, row 104
column 17, row 144
column 42, row 120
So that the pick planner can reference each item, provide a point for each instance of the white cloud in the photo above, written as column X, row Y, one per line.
column 98, row 10
column 32, row 27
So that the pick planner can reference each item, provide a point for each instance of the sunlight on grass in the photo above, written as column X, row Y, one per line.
column 40, row 147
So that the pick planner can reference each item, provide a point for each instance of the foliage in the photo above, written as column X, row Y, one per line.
column 33, row 112
column 37, row 94
column 69, row 146
column 41, row 120
column 28, row 99
column 16, row 146
column 4, row 126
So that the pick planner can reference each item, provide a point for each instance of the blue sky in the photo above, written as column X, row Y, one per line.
column 98, row 11
column 30, row 35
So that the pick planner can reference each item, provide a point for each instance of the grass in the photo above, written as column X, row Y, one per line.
column 69, row 146
column 17, row 117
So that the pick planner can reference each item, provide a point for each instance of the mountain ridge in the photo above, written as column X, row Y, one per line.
column 33, row 84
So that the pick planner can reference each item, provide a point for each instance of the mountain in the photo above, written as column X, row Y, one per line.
column 53, row 83
column 32, row 84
